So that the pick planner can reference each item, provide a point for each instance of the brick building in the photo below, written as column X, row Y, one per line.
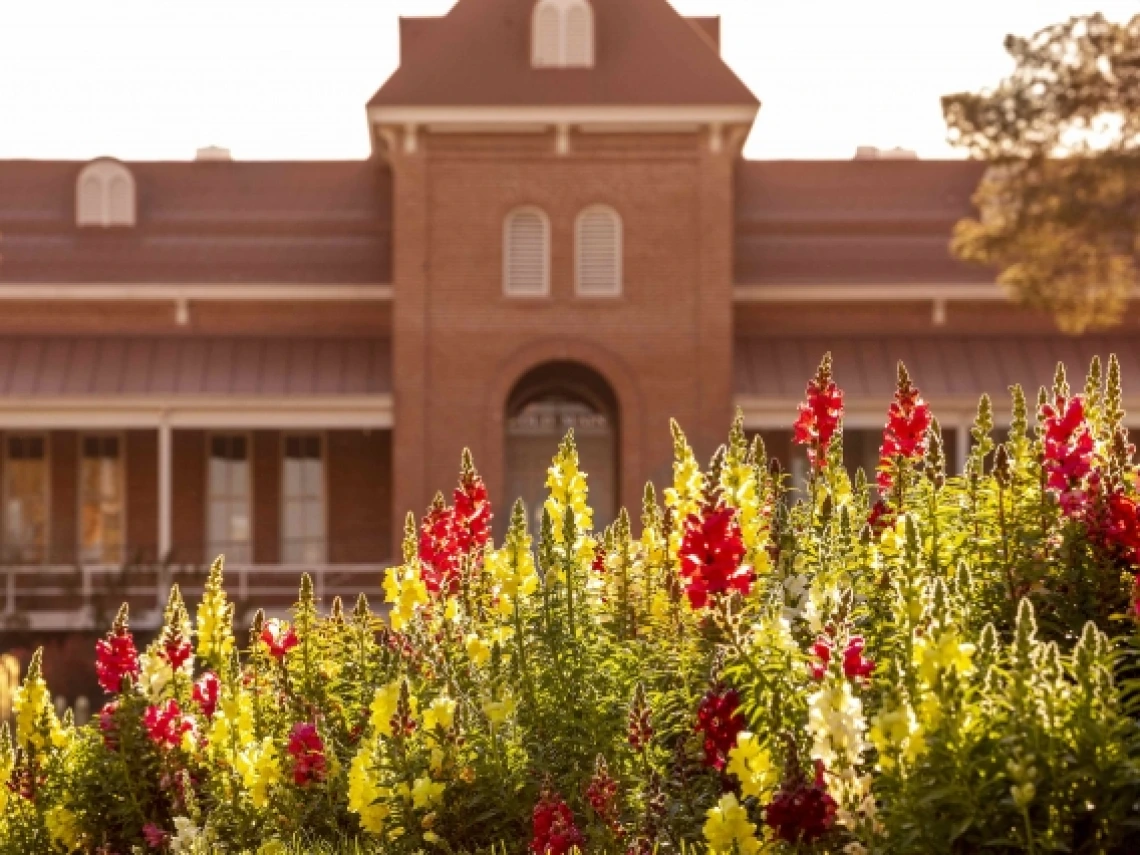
column 556, row 229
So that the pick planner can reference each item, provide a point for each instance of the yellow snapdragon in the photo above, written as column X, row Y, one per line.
column 896, row 733
column 405, row 590
column 259, row 766
column 498, row 711
column 512, row 569
column 728, row 830
column 567, row 485
column 478, row 651
column 7, row 763
column 215, row 619
column 440, row 714
column 687, row 492
column 383, row 707
column 427, row 793
column 750, row 762
column 365, row 795
column 944, row 653
column 233, row 720
column 37, row 725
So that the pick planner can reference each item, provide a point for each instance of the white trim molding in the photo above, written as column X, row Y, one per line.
column 897, row 293
column 596, row 117
column 268, row 412
column 201, row 291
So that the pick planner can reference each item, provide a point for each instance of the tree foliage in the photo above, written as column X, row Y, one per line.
column 1060, row 204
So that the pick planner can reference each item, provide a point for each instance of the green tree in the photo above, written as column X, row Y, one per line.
column 1059, row 207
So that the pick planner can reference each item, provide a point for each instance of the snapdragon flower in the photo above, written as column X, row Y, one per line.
column 728, row 831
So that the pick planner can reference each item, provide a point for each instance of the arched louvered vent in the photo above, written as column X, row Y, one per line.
column 547, row 39
column 105, row 195
column 562, row 34
column 526, row 253
column 599, row 251
column 579, row 37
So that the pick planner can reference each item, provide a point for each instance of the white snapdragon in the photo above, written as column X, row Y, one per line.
column 837, row 725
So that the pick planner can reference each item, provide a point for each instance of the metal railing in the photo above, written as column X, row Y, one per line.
column 86, row 596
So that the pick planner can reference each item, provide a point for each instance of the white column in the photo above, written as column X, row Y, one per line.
column 165, row 486
column 962, row 442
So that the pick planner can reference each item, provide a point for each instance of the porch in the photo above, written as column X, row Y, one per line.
column 115, row 490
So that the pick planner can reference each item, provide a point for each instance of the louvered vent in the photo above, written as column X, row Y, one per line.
column 562, row 34
column 547, row 37
column 526, row 254
column 579, row 36
column 599, row 252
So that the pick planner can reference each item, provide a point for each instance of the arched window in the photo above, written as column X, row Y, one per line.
column 526, row 253
column 563, row 34
column 598, row 239
column 105, row 195
column 544, row 404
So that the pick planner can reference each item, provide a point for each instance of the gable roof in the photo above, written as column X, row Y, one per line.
column 479, row 54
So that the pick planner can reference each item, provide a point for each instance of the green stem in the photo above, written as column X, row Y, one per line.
column 524, row 667
column 1028, row 831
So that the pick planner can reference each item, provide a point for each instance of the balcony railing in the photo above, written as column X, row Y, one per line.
column 61, row 597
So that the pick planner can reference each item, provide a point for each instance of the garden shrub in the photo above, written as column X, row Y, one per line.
column 910, row 662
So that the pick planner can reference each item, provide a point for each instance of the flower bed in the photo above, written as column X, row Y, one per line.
column 908, row 662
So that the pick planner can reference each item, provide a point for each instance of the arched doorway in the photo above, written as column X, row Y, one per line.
column 545, row 403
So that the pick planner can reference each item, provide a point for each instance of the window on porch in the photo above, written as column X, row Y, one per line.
column 228, row 530
column 102, row 518
column 303, row 532
column 25, row 499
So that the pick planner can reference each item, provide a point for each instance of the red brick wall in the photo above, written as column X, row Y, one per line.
column 459, row 344
column 360, row 496
column 142, row 495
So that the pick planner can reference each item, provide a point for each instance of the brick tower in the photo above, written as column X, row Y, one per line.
column 563, row 178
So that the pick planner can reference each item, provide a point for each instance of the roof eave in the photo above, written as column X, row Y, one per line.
column 594, row 116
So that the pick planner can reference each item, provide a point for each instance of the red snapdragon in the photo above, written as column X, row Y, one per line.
column 855, row 665
column 553, row 824
column 279, row 638
column 116, row 658
column 720, row 720
column 165, row 723
column 802, row 811
column 206, row 691
column 308, row 752
column 156, row 838
column 1120, row 527
column 821, row 649
column 711, row 553
column 820, row 414
column 472, row 509
column 1068, row 452
column 108, row 727
column 640, row 729
column 601, row 793
column 439, row 548
column 448, row 533
column 906, row 433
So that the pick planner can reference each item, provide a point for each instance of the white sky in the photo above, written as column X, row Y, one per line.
column 288, row 79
